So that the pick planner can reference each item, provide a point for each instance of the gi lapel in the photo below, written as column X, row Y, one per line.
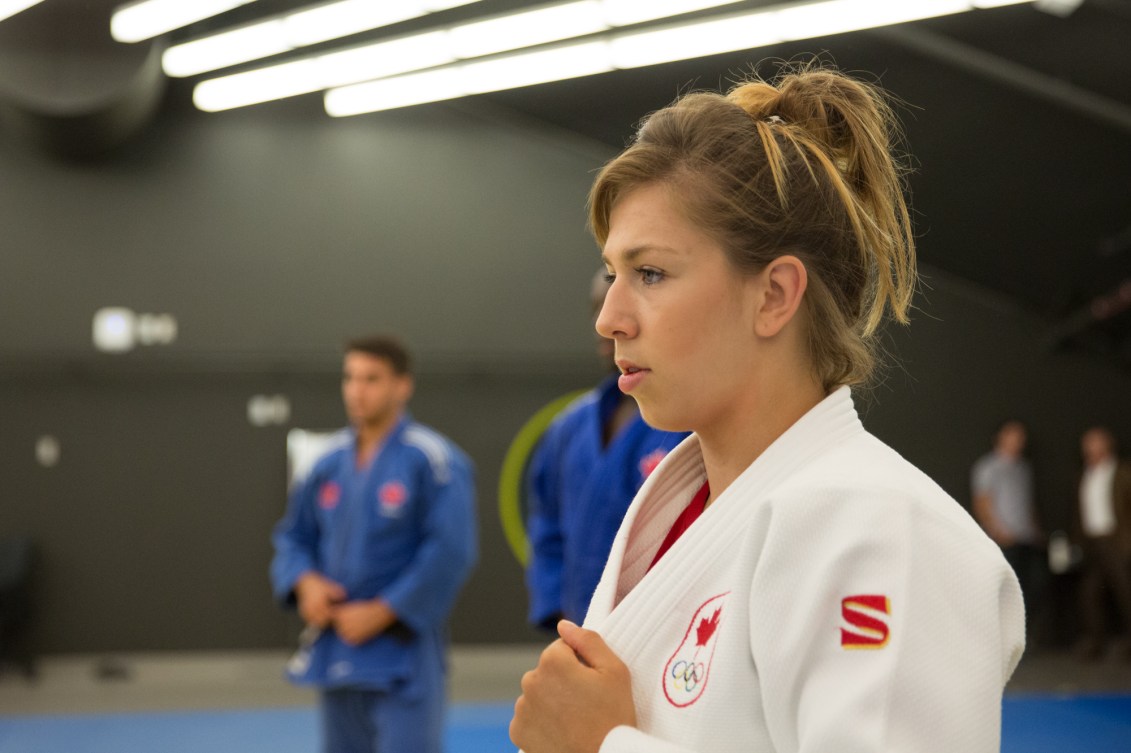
column 644, row 596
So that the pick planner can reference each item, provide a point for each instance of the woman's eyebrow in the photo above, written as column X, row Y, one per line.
column 630, row 254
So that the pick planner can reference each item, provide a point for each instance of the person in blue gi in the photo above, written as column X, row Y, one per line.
column 377, row 540
column 581, row 478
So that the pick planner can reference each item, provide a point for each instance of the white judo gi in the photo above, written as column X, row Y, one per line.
column 833, row 598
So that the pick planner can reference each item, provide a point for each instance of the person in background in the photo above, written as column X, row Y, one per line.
column 582, row 476
column 1003, row 503
column 377, row 540
column 1104, row 524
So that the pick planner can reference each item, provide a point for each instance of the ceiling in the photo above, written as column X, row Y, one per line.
column 1019, row 122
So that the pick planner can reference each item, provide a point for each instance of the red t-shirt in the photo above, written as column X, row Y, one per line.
column 689, row 515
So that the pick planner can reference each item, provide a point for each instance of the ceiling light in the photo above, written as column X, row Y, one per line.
column 544, row 66
column 341, row 19
column 404, row 55
column 842, row 16
column 627, row 12
column 524, row 69
column 517, row 30
column 628, row 49
column 227, row 48
column 345, row 17
column 9, row 8
column 292, row 31
column 432, row 6
column 690, row 41
column 149, row 18
column 323, row 72
column 1062, row 8
column 400, row 91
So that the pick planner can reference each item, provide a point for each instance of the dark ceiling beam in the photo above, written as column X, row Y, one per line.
column 1103, row 308
column 1119, row 8
column 1001, row 70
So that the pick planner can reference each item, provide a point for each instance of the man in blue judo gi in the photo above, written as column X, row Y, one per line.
column 580, row 480
column 377, row 540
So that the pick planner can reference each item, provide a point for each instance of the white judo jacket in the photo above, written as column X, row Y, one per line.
column 832, row 600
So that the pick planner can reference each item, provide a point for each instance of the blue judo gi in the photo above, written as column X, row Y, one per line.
column 578, row 491
column 403, row 528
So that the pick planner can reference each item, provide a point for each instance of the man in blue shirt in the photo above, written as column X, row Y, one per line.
column 377, row 540
column 1004, row 504
column 582, row 476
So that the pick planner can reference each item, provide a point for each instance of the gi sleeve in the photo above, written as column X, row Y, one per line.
column 631, row 740
column 426, row 590
column 296, row 541
column 547, row 542
column 879, row 624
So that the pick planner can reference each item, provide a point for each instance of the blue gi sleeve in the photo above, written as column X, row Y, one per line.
column 296, row 540
column 544, row 570
column 425, row 591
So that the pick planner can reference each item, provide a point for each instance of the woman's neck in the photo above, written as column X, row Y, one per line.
column 734, row 441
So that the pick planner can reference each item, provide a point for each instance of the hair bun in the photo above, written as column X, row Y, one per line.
column 758, row 98
column 842, row 115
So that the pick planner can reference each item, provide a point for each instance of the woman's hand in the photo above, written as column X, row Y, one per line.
column 576, row 695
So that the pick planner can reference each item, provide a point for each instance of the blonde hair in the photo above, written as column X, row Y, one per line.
column 803, row 165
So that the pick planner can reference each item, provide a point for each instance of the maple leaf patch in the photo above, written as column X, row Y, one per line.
column 707, row 628
column 686, row 673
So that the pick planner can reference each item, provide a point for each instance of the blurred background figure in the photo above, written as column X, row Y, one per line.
column 377, row 541
column 1105, row 532
column 1003, row 503
column 583, row 475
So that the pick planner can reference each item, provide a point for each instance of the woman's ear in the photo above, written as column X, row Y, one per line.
column 783, row 285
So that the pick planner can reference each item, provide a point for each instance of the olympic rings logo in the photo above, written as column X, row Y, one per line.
column 687, row 675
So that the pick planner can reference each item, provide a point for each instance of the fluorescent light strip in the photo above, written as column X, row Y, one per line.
column 691, row 41
column 527, row 29
column 345, row 17
column 627, row 12
column 481, row 76
column 9, row 8
column 635, row 49
column 502, row 33
column 293, row 31
column 323, row 72
column 150, row 18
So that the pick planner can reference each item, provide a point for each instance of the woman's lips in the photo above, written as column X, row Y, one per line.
column 631, row 379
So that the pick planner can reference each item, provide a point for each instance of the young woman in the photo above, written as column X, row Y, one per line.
column 783, row 581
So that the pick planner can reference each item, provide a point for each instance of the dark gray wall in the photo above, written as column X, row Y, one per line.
column 972, row 359
column 278, row 229
column 273, row 233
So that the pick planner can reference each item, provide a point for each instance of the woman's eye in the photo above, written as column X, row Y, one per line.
column 651, row 276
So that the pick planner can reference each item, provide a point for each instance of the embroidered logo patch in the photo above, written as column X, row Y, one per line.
column 329, row 495
column 392, row 496
column 685, row 676
column 866, row 617
column 649, row 462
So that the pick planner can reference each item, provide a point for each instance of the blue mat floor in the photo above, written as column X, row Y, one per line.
column 1031, row 724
